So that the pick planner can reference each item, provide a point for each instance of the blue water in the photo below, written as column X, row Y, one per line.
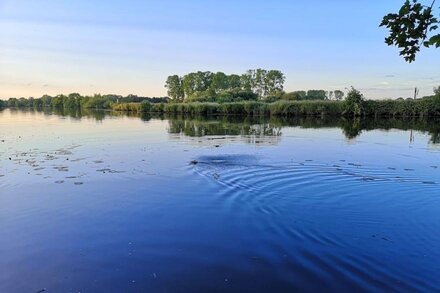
column 110, row 203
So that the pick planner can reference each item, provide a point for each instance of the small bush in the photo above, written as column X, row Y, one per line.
column 353, row 104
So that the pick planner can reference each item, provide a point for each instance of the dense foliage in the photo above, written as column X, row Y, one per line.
column 208, row 85
column 353, row 106
column 411, row 28
column 239, row 102
column 259, row 84
column 76, row 101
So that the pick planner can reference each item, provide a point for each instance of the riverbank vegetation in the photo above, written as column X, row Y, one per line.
column 76, row 101
column 353, row 106
column 257, row 92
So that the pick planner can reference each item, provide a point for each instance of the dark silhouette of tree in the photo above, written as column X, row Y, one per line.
column 411, row 28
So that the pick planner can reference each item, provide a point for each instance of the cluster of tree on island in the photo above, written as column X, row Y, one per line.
column 255, row 84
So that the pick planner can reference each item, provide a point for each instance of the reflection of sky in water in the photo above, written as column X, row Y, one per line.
column 58, row 148
column 127, row 204
column 129, row 146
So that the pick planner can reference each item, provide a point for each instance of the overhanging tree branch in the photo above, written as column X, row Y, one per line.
column 410, row 27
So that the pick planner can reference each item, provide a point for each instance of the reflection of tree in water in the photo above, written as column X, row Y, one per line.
column 435, row 137
column 351, row 128
column 267, row 127
column 249, row 129
column 143, row 116
column 197, row 128
column 78, row 113
column 434, row 131
column 254, row 129
column 354, row 127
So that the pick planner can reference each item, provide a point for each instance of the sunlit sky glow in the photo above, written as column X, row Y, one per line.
column 123, row 47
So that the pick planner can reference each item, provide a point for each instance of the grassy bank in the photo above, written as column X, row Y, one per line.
column 426, row 107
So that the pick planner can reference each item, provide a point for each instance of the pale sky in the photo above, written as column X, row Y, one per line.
column 123, row 47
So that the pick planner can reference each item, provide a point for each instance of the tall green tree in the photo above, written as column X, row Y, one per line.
column 219, row 83
column 339, row 95
column 188, row 83
column 260, row 85
column 411, row 28
column 330, row 95
column 234, row 81
column 247, row 80
column 263, row 82
column 196, row 82
column 274, row 82
column 174, row 84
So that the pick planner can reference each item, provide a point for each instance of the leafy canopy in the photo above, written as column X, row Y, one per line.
column 411, row 28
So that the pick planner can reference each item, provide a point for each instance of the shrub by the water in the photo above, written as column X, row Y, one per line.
column 306, row 108
column 133, row 107
column 192, row 108
column 353, row 104
column 425, row 107
column 233, row 108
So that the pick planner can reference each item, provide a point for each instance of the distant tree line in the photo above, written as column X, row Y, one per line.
column 157, row 104
column 254, row 84
column 76, row 101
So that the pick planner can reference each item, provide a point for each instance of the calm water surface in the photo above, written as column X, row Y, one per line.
column 110, row 203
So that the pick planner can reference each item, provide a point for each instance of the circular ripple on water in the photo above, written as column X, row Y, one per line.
column 269, row 188
column 326, row 219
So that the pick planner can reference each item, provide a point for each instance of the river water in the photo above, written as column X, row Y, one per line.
column 105, row 202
